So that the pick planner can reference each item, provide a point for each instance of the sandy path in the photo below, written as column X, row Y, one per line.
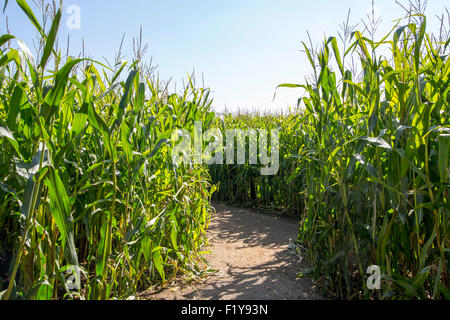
column 249, row 250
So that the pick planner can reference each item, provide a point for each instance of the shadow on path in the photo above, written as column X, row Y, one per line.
column 249, row 251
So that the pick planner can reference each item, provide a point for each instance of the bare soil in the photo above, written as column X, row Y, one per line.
column 250, row 253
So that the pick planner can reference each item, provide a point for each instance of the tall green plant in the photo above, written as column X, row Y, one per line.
column 377, row 167
column 364, row 164
column 92, row 206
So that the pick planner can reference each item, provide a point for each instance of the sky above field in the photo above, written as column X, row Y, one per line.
column 243, row 49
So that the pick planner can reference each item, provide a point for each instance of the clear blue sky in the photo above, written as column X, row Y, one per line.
column 244, row 48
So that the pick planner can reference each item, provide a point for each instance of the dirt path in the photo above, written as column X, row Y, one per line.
column 249, row 250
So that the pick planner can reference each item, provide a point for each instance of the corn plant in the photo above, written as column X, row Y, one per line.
column 365, row 163
column 91, row 205
column 243, row 184
column 377, row 166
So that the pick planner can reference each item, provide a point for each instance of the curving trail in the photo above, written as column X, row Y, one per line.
column 249, row 251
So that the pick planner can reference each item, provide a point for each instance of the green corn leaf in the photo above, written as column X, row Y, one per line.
column 100, row 266
column 158, row 262
column 117, row 74
column 378, row 142
column 126, row 145
column 5, row 38
column 418, row 44
column 438, row 276
column 287, row 85
column 360, row 40
column 128, row 88
column 420, row 278
column 60, row 208
column 98, row 123
column 27, row 10
column 51, row 39
column 79, row 124
column 424, row 252
column 337, row 55
column 34, row 175
column 410, row 290
column 11, row 55
column 157, row 147
column 140, row 98
column 55, row 95
column 44, row 291
column 173, row 235
column 17, row 102
column 5, row 132
column 125, row 98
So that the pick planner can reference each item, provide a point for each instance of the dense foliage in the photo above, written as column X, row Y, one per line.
column 88, row 186
column 87, row 182
column 365, row 164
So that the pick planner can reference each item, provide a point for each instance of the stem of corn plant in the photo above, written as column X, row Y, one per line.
column 108, row 244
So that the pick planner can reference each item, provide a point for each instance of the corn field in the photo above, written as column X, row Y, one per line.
column 92, row 206
column 87, row 183
column 364, row 164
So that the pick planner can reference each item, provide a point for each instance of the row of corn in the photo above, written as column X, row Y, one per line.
column 364, row 164
column 91, row 205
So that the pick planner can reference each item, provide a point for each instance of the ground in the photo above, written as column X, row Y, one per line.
column 249, row 250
